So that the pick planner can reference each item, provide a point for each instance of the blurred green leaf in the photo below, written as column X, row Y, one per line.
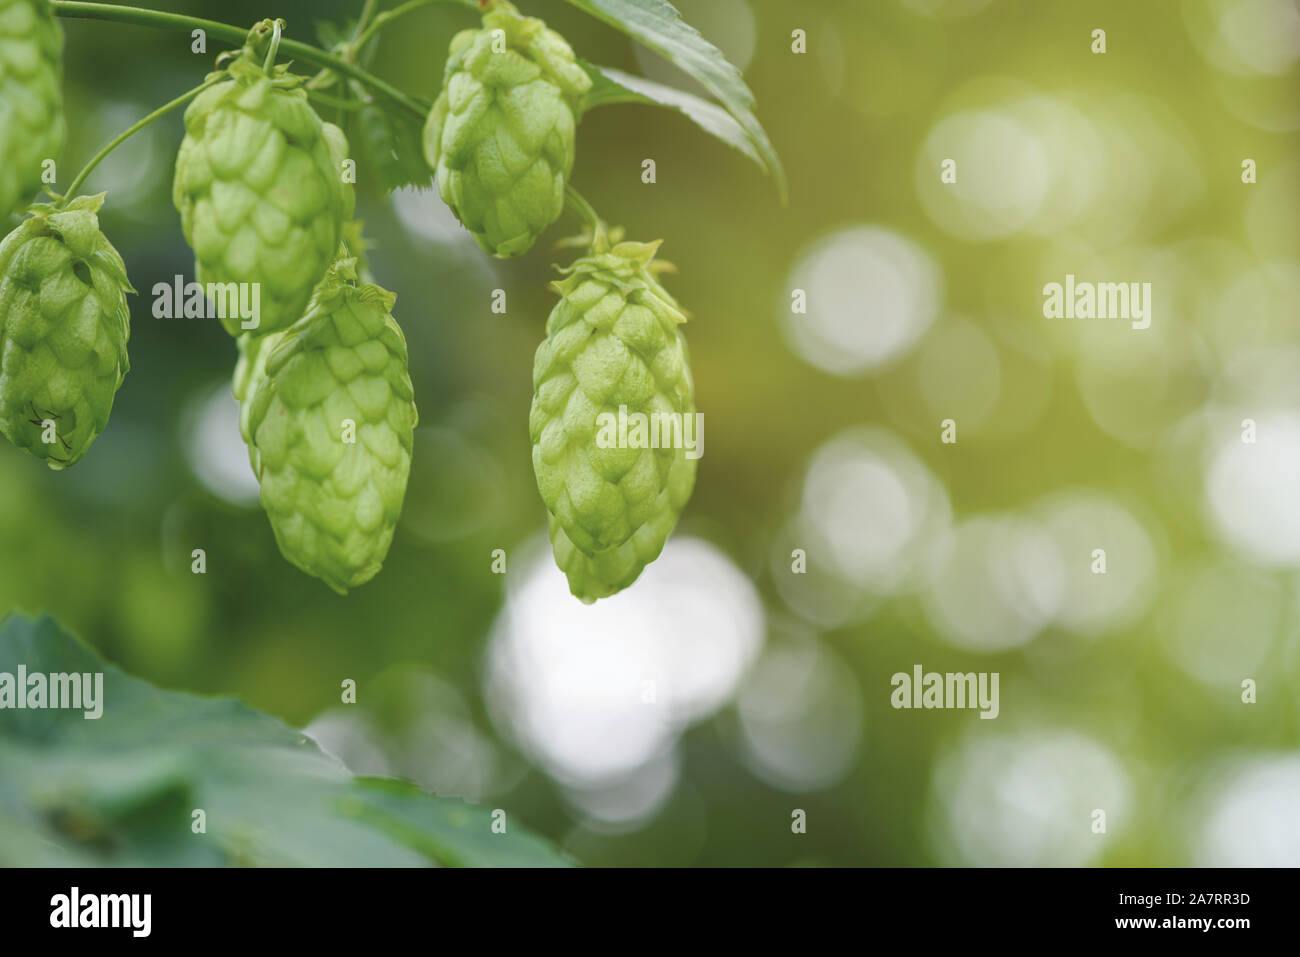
column 658, row 25
column 611, row 86
column 121, row 789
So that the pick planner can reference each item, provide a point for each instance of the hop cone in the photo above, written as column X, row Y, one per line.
column 500, row 135
column 64, row 324
column 250, row 369
column 612, row 341
column 336, row 141
column 31, row 102
column 259, row 190
column 333, row 499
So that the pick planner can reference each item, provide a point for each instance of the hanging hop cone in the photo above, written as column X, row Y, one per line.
column 31, row 100
column 260, row 190
column 613, row 349
column 330, row 416
column 501, row 133
column 64, row 325
column 249, row 370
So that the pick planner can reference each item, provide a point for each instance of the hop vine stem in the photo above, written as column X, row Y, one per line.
column 143, row 16
column 577, row 206
column 367, row 12
column 388, row 16
column 127, row 133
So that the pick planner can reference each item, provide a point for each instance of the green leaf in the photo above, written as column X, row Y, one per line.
column 611, row 86
column 120, row 790
column 391, row 143
column 658, row 25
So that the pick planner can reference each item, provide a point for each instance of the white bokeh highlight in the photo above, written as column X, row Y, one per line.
column 1080, row 521
column 1252, row 491
column 800, row 716
column 1002, row 175
column 995, row 583
column 1026, row 799
column 1248, row 816
column 872, row 294
column 868, row 512
column 594, row 693
column 214, row 448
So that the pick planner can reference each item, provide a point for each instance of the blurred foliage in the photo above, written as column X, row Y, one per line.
column 119, row 781
column 106, row 546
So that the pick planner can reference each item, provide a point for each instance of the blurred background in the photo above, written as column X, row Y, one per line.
column 684, row 721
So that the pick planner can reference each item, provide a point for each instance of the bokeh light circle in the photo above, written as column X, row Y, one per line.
column 1249, row 814
column 1026, row 799
column 1082, row 522
column 871, row 295
column 868, row 511
column 1002, row 175
column 592, row 693
column 1252, row 490
column 995, row 583
column 214, row 448
column 800, row 716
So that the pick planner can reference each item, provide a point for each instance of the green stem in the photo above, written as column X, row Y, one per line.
column 277, row 34
column 367, row 12
column 347, row 50
column 140, row 16
column 128, row 133
column 583, row 210
column 336, row 102
column 388, row 16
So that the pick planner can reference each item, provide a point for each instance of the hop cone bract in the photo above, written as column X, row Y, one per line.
column 31, row 102
column 259, row 190
column 64, row 325
column 330, row 413
column 501, row 133
column 250, row 370
column 613, row 351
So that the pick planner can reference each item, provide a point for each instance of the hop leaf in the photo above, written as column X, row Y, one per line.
column 613, row 350
column 32, row 127
column 393, row 147
column 64, row 325
column 259, row 190
column 329, row 415
column 501, row 133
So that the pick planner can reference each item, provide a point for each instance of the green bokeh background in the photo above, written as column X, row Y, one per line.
column 106, row 546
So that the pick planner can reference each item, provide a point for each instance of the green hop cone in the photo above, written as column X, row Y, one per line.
column 259, row 189
column 613, row 350
column 31, row 101
column 336, row 141
column 250, row 370
column 501, row 133
column 330, row 415
column 64, row 325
